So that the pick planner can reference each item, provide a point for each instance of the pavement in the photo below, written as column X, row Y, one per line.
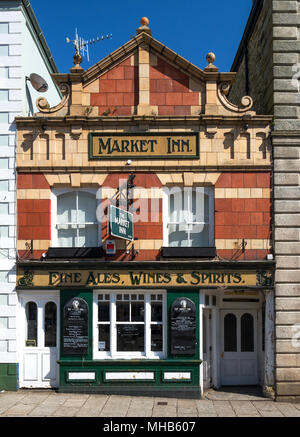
column 222, row 403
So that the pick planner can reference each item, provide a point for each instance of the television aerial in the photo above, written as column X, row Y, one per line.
column 38, row 82
column 82, row 46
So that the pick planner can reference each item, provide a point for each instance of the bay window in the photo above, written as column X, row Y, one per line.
column 129, row 324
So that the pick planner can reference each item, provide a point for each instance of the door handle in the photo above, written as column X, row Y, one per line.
column 222, row 355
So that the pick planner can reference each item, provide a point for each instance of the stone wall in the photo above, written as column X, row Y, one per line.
column 259, row 65
column 277, row 92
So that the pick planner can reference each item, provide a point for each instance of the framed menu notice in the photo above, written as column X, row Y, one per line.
column 75, row 327
column 183, row 327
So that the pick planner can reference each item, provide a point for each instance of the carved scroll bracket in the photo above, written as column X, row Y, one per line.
column 43, row 104
column 244, row 106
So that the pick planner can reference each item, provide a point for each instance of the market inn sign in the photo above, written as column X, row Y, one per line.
column 141, row 278
column 154, row 145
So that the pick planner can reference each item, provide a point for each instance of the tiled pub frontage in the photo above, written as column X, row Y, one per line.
column 144, row 231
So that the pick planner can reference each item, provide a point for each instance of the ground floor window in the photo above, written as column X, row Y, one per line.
column 129, row 324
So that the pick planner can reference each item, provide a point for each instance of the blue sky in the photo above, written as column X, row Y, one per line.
column 191, row 28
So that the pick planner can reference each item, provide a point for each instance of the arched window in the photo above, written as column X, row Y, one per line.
column 230, row 333
column 76, row 219
column 247, row 333
column 31, row 324
column 50, row 324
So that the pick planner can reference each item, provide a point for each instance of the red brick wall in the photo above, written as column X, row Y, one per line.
column 248, row 218
column 119, row 89
column 170, row 91
column 33, row 215
column 235, row 218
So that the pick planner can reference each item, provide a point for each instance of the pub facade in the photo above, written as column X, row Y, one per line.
column 144, row 230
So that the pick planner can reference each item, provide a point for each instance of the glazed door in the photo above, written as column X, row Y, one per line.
column 239, row 357
column 39, row 341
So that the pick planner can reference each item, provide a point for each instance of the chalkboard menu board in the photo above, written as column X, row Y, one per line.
column 183, row 327
column 75, row 327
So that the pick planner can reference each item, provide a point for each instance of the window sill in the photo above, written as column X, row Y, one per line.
column 74, row 252
column 189, row 252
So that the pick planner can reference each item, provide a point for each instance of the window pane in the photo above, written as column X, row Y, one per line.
column 3, row 27
column 87, row 237
column 130, row 338
column 3, row 231
column 31, row 319
column 230, row 335
column 4, row 72
column 66, row 237
column 178, row 236
column 247, row 333
column 199, row 235
column 50, row 324
column 4, row 140
column 66, row 208
column 103, row 312
column 156, row 338
column 123, row 311
column 104, row 338
column 3, row 253
column 137, row 311
column 86, row 208
column 4, row 95
column 3, row 50
column 4, row 116
column 156, row 311
column 3, row 185
column 4, row 163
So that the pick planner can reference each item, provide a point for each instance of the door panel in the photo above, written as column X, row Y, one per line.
column 30, row 369
column 38, row 332
column 239, row 359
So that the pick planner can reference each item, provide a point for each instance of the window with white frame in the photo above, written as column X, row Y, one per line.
column 188, row 216
column 74, row 221
column 129, row 324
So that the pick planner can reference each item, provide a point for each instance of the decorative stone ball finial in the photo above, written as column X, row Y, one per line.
column 144, row 26
column 144, row 21
column 210, row 57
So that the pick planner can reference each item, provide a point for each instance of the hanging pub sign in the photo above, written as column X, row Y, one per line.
column 183, row 327
column 154, row 145
column 75, row 327
column 120, row 223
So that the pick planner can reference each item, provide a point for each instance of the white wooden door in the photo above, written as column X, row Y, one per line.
column 39, row 339
column 239, row 357
column 207, row 348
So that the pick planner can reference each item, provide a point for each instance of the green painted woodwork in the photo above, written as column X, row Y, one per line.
column 158, row 367
column 8, row 377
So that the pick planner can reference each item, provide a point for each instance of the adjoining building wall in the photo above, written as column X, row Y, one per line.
column 281, row 94
column 21, row 53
